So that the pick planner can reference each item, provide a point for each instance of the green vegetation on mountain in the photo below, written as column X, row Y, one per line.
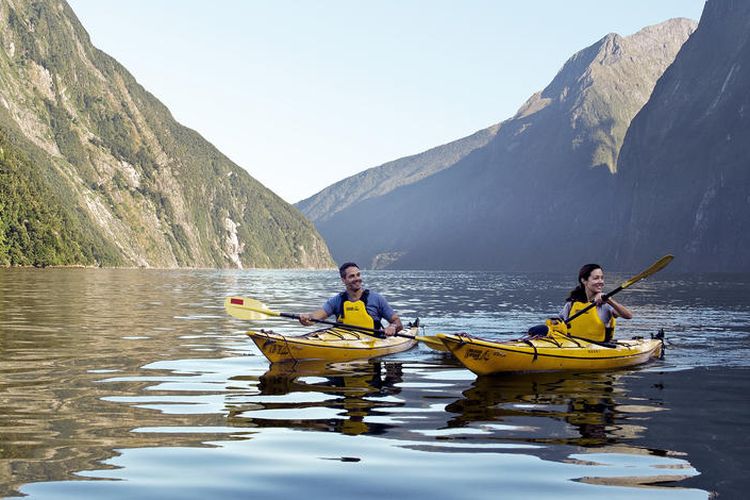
column 35, row 228
column 122, row 171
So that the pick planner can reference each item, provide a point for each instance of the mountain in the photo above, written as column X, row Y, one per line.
column 685, row 176
column 383, row 179
column 96, row 171
column 538, row 194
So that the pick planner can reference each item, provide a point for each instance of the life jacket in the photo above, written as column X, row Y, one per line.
column 589, row 325
column 355, row 313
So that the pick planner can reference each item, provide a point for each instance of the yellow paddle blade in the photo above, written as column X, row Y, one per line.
column 655, row 267
column 247, row 308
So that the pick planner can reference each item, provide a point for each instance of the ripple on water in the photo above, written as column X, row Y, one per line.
column 164, row 395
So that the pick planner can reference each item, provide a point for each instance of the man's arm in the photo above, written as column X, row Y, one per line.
column 395, row 325
column 307, row 318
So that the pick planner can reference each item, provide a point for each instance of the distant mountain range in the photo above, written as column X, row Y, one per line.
column 94, row 170
column 381, row 180
column 635, row 149
column 535, row 192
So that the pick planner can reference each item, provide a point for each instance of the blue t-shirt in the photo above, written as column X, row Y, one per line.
column 377, row 307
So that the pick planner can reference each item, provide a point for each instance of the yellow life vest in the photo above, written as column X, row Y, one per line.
column 355, row 313
column 589, row 325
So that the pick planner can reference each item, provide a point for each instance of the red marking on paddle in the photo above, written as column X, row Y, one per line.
column 239, row 302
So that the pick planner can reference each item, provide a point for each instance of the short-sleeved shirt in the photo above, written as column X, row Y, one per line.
column 377, row 307
column 605, row 311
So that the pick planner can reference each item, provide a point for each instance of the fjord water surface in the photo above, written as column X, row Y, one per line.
column 135, row 383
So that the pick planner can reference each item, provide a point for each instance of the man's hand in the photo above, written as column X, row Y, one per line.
column 306, row 319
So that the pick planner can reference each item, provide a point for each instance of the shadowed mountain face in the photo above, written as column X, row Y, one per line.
column 539, row 194
column 96, row 171
column 685, row 164
column 381, row 180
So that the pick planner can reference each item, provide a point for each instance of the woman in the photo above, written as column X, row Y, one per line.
column 598, row 323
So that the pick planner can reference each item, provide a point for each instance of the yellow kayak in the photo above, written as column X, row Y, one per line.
column 332, row 344
column 551, row 353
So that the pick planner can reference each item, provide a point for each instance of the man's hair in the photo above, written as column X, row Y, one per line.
column 345, row 266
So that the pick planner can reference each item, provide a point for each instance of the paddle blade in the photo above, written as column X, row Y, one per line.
column 247, row 308
column 655, row 267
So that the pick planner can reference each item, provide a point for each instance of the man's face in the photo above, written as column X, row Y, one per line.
column 352, row 279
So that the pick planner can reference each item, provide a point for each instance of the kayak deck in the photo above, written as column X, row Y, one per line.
column 331, row 344
column 555, row 353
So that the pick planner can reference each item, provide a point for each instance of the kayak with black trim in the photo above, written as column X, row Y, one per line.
column 331, row 344
column 550, row 353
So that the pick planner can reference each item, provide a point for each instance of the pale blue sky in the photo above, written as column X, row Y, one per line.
column 304, row 93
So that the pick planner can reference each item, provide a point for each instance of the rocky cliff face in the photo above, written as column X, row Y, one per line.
column 685, row 181
column 141, row 189
column 538, row 194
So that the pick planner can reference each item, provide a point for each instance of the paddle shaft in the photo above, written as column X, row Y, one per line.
column 368, row 331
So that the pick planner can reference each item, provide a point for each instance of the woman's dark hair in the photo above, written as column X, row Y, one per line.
column 578, row 294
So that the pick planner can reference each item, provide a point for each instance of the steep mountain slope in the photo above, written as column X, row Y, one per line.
column 36, row 226
column 383, row 179
column 147, row 190
column 685, row 183
column 537, row 195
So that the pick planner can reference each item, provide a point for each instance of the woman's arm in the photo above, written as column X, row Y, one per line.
column 620, row 309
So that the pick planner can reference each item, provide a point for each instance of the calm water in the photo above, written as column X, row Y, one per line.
column 136, row 384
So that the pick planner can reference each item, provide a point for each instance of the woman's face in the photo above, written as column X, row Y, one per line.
column 595, row 282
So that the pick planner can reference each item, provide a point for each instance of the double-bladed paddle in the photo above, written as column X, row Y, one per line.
column 252, row 309
column 655, row 267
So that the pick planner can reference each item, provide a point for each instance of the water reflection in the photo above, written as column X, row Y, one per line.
column 588, row 410
column 560, row 417
column 356, row 390
column 588, row 418
column 100, row 368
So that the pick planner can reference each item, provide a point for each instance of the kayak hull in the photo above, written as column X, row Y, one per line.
column 485, row 357
column 332, row 345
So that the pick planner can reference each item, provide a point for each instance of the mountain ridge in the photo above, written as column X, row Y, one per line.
column 384, row 178
column 156, row 192
column 503, row 205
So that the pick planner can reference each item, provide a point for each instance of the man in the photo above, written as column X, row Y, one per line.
column 356, row 306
